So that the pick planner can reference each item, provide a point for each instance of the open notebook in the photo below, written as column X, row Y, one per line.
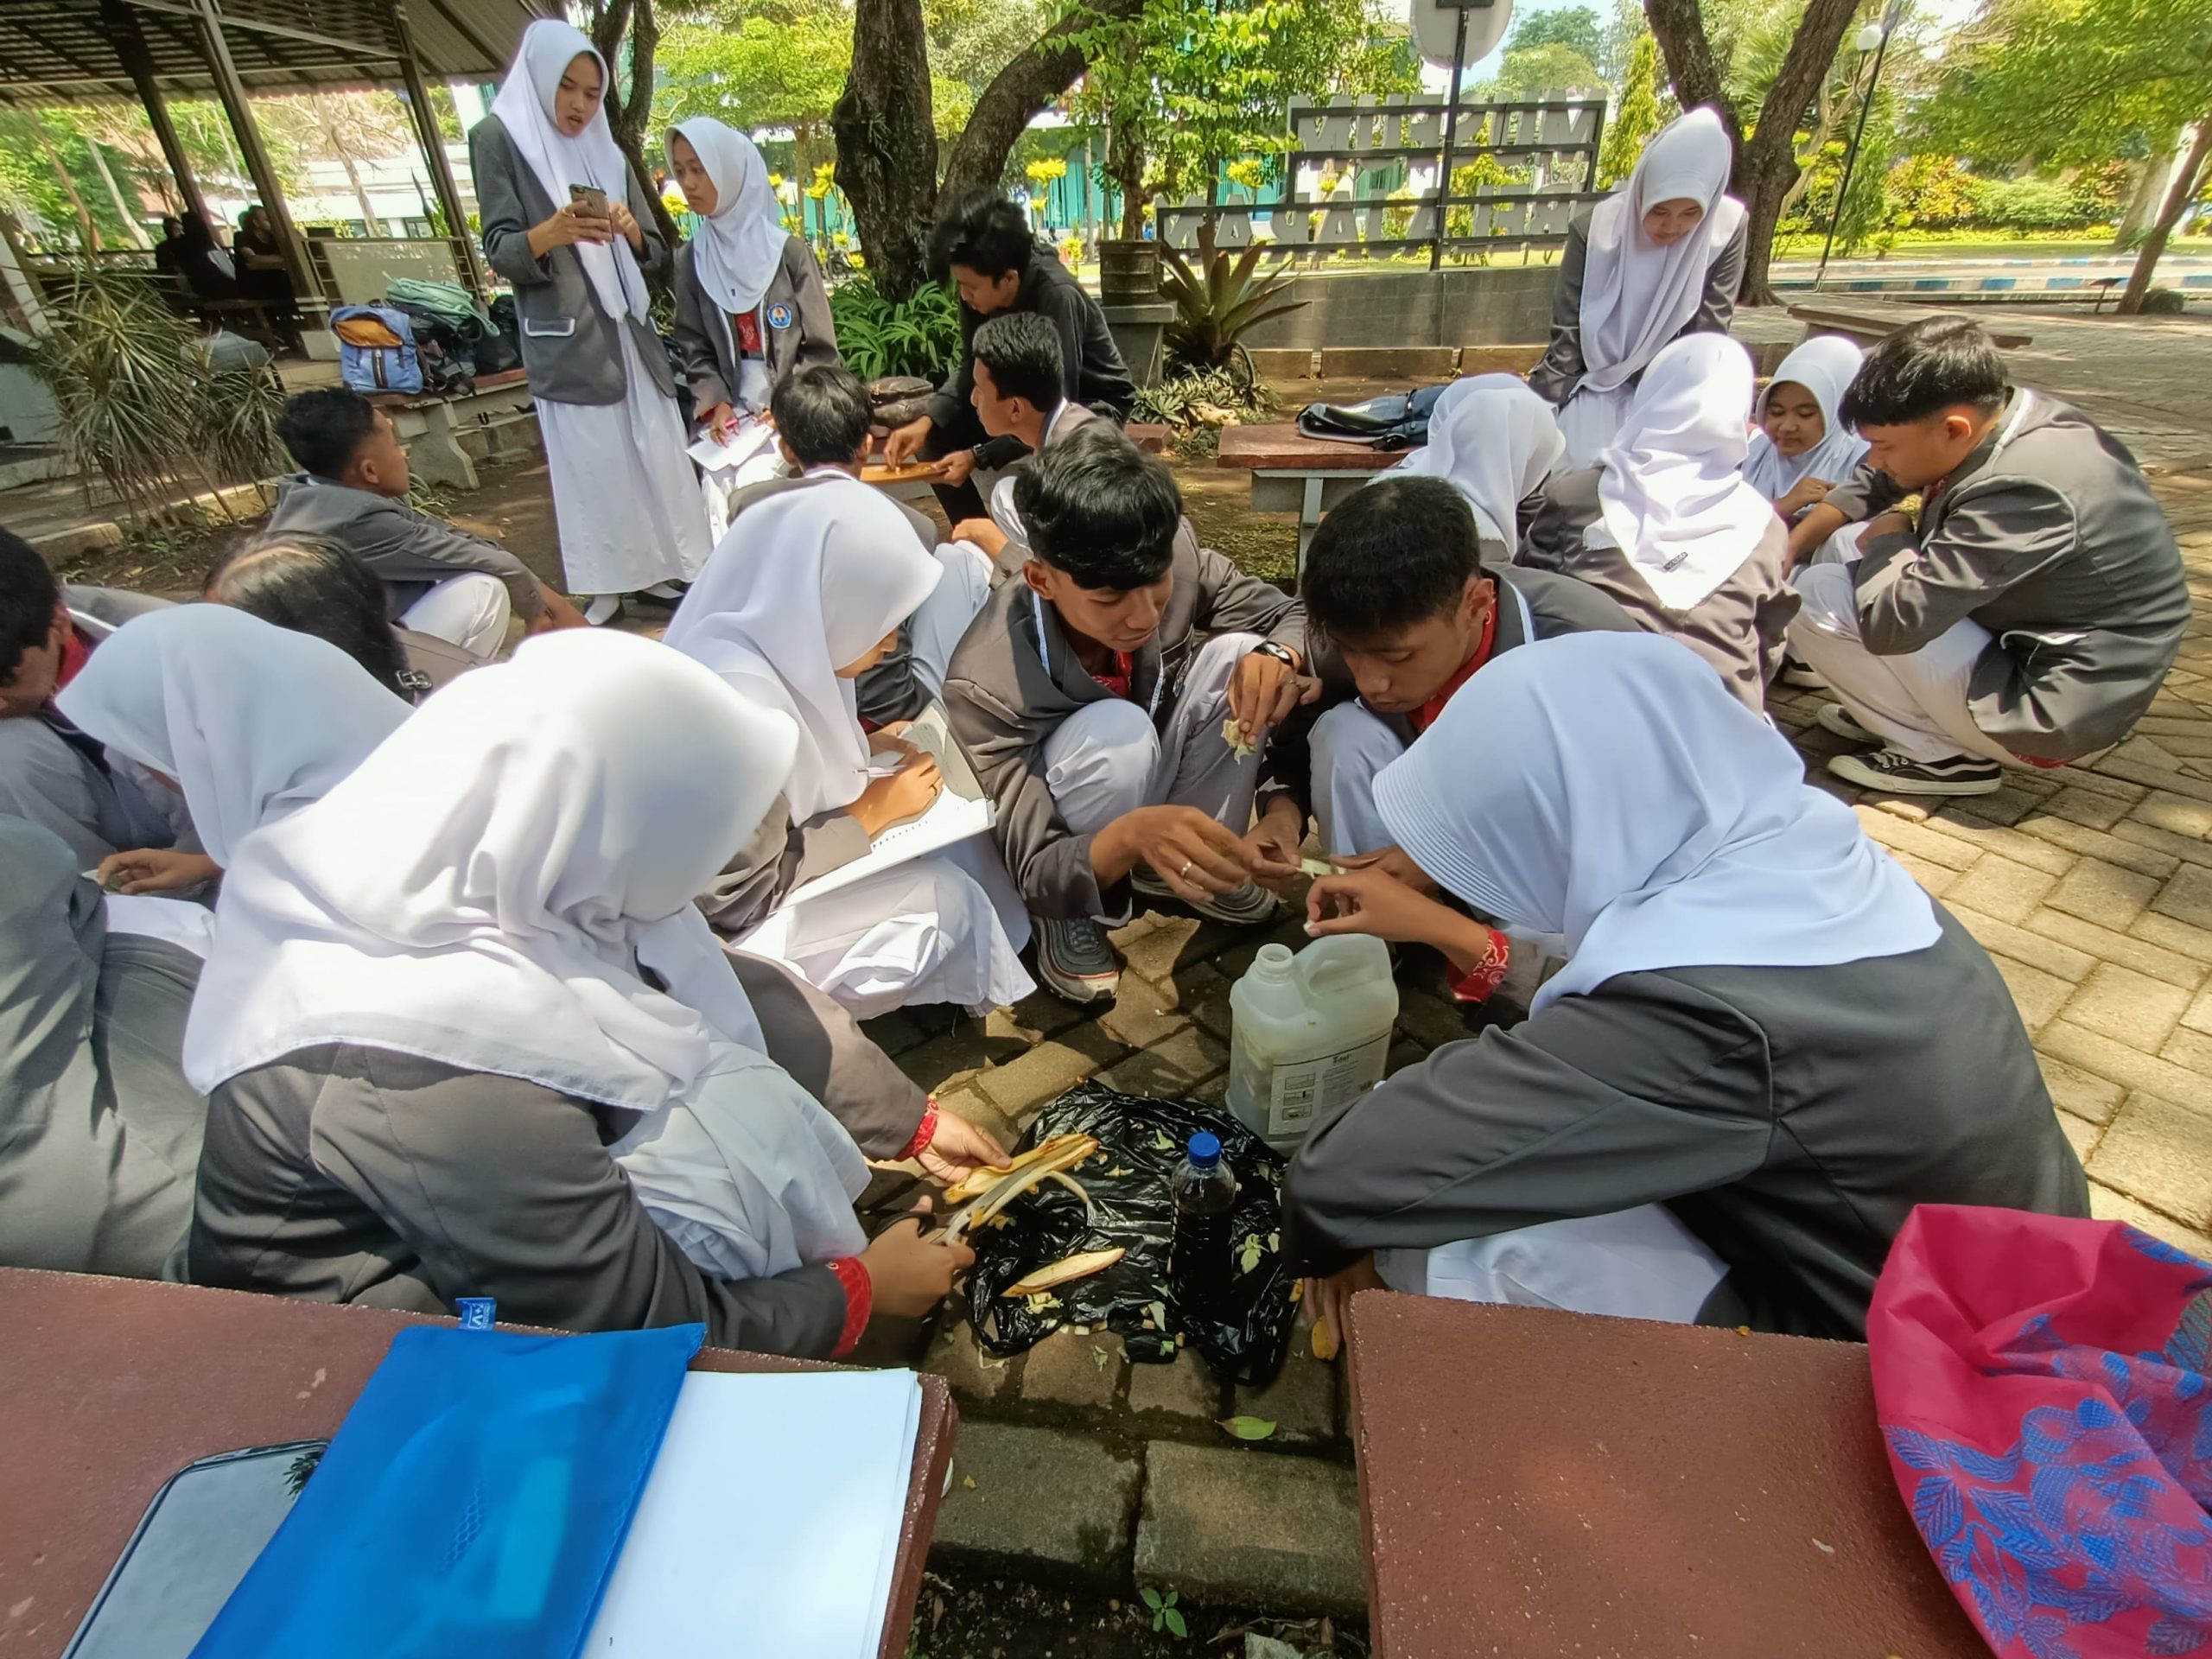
column 770, row 1523
column 959, row 811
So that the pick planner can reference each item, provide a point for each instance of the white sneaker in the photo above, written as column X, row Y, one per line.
column 603, row 609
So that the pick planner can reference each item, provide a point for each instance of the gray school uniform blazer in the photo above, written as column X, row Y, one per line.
column 1015, row 677
column 2047, row 537
column 1561, row 368
column 410, row 552
column 808, row 335
column 349, row 1173
column 1792, row 1117
column 100, row 1133
column 1739, row 627
column 568, row 342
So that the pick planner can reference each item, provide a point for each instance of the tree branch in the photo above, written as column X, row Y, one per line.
column 1679, row 27
column 1036, row 75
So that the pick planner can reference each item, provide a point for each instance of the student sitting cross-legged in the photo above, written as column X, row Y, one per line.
column 822, row 416
column 1402, row 606
column 2026, row 615
column 1767, row 1045
column 1093, row 714
column 438, row 579
column 1665, row 523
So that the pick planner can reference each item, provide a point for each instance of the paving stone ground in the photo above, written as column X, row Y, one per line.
column 2091, row 886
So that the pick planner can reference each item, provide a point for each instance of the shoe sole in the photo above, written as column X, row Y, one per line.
column 1803, row 679
column 1852, row 770
column 1156, row 889
column 1836, row 725
column 1080, row 992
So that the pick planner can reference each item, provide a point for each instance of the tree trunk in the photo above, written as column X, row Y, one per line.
column 131, row 227
column 1036, row 75
column 628, row 118
column 887, row 143
column 371, row 225
column 1766, row 163
column 1125, row 166
column 86, row 229
column 2148, row 191
column 2183, row 192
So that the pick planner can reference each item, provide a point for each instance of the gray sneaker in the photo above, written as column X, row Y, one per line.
column 1076, row 960
column 1247, row 906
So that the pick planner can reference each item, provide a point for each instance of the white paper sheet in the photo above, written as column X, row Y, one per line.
column 752, row 438
column 959, row 812
column 770, row 1523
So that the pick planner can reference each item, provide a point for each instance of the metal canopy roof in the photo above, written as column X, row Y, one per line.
column 64, row 50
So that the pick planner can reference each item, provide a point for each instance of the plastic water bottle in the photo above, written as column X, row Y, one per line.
column 1204, row 1194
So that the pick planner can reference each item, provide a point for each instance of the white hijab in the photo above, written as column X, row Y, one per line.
column 525, row 106
column 487, row 888
column 1637, row 296
column 1825, row 366
column 741, row 243
column 806, row 581
column 1608, row 787
column 253, row 721
column 1672, row 495
column 1494, row 441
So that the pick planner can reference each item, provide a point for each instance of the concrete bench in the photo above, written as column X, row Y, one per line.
column 430, row 423
column 1870, row 321
column 1292, row 473
column 1534, row 1482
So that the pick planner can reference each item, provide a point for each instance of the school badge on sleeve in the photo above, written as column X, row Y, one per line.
column 780, row 316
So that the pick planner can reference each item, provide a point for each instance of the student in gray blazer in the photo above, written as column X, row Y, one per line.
column 566, row 221
column 751, row 309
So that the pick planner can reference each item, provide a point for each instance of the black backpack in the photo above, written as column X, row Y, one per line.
column 448, row 352
column 1398, row 420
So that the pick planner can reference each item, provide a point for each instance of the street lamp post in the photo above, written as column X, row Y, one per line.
column 1875, row 38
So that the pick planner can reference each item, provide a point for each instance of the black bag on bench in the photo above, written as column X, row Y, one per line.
column 1397, row 420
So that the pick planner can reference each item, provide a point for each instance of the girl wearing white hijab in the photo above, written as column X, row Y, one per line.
column 1660, row 257
column 249, row 721
column 789, row 613
column 1801, row 449
column 465, row 1034
column 623, row 490
column 750, row 305
column 1495, row 442
column 1666, row 524
column 1767, row 1045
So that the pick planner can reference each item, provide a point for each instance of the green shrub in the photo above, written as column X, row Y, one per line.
column 2163, row 302
column 2024, row 206
column 918, row 336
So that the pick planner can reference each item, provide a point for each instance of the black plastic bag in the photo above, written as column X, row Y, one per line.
column 1395, row 421
column 1141, row 1141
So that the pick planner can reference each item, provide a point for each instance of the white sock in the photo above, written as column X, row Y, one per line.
column 602, row 608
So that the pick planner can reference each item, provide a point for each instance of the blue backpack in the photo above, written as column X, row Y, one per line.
column 368, row 360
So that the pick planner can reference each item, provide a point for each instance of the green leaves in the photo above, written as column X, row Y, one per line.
column 1219, row 301
column 918, row 336
column 1248, row 1428
column 1166, row 1616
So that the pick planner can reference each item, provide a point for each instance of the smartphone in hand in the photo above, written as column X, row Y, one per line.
column 588, row 200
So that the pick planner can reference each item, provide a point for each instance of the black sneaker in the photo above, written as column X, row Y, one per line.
column 1247, row 906
column 1900, row 774
column 1796, row 671
column 1834, row 717
column 1076, row 960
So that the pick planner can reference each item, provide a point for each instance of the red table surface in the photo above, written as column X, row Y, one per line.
column 113, row 1385
column 1542, row 1484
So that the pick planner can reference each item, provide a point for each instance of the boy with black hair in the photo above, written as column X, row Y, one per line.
column 822, row 425
column 985, row 245
column 52, row 773
column 1095, row 716
column 2027, row 616
column 1018, row 395
column 1404, row 613
column 437, row 579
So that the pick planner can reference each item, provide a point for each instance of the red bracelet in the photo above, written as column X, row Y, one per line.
column 860, row 1301
column 1486, row 975
column 924, row 1132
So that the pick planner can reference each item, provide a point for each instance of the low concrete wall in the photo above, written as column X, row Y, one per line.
column 1501, row 305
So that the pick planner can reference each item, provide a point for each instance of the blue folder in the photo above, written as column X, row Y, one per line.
column 473, row 1503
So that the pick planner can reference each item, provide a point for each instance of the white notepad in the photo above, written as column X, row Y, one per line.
column 753, row 438
column 959, row 811
column 770, row 1523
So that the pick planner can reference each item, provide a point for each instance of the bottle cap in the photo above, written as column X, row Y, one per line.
column 1204, row 1150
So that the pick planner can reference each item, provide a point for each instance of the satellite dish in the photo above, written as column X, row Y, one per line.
column 1437, row 25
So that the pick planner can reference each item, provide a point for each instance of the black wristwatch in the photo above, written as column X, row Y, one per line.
column 1280, row 653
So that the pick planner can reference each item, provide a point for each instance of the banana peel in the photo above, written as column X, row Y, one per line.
column 985, row 1178
column 1066, row 1269
column 1026, row 1174
column 1324, row 1340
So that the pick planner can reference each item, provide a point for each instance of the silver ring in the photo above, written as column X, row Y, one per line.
column 1184, row 871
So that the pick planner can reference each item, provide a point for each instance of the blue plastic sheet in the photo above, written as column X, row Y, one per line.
column 473, row 1503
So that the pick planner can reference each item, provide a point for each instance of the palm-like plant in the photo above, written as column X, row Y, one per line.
column 1218, row 301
